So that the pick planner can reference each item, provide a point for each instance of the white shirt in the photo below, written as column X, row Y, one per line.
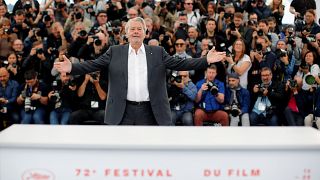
column 137, row 75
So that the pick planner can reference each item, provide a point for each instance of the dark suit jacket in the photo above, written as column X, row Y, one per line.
column 115, row 62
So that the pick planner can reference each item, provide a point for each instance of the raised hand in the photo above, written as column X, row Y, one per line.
column 63, row 66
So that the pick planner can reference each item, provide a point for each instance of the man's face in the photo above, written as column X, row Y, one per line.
column 4, row 76
column 237, row 21
column 233, row 82
column 188, row 5
column 132, row 13
column 266, row 77
column 19, row 19
column 17, row 45
column 64, row 77
column 205, row 44
column 136, row 32
column 264, row 27
column 31, row 82
column 102, row 18
column 3, row 10
column 271, row 24
column 192, row 33
column 180, row 46
column 183, row 19
column 211, row 74
column 281, row 45
column 184, row 75
column 318, row 38
column 211, row 26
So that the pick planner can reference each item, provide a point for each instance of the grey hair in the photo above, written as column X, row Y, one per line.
column 136, row 19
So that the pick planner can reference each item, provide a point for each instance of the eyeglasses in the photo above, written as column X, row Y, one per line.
column 179, row 44
column 189, row 3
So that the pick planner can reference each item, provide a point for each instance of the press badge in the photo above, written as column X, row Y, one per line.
column 262, row 106
column 94, row 104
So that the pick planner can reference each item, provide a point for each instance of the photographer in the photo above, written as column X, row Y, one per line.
column 263, row 30
column 314, row 116
column 33, row 99
column 96, row 45
column 76, row 15
column 237, row 101
column 92, row 94
column 266, row 98
column 236, row 30
column 6, row 37
column 166, row 12
column 37, row 61
column 295, row 109
column 210, row 98
column 261, row 56
column 13, row 67
column 194, row 45
column 61, row 98
column 182, row 92
column 60, row 10
column 79, row 39
column 8, row 96
column 181, row 26
column 116, row 10
column 309, row 30
column 19, row 26
column 287, row 62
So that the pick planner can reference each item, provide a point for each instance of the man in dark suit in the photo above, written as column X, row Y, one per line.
column 137, row 92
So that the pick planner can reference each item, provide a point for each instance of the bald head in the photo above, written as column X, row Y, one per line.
column 4, row 76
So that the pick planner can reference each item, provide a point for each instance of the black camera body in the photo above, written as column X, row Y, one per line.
column 26, row 94
column 260, row 32
column 233, row 109
column 39, row 51
column 261, row 88
column 281, row 53
column 293, row 83
column 96, row 40
column 83, row 33
column 94, row 75
column 213, row 88
column 175, row 77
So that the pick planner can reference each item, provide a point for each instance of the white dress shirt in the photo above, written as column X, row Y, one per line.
column 137, row 75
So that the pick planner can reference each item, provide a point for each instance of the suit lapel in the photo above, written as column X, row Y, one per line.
column 149, row 61
column 124, row 62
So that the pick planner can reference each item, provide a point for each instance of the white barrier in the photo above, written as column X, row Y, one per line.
column 35, row 152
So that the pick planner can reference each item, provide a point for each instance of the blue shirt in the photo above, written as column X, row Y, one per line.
column 10, row 92
column 208, row 102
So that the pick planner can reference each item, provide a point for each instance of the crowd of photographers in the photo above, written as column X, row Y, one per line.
column 269, row 77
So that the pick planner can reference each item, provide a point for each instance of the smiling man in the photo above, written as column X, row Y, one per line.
column 137, row 92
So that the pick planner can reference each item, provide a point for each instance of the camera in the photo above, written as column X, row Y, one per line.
column 270, row 110
column 44, row 13
column 281, row 53
column 78, row 15
column 82, row 33
column 293, row 83
column 299, row 23
column 60, row 5
column 232, row 26
column 166, row 38
column 175, row 77
column 233, row 109
column 26, row 94
column 56, row 96
column 116, row 31
column 162, row 4
column 258, row 47
column 252, row 23
column 260, row 32
column 27, row 5
column 94, row 75
column 6, row 31
column 228, row 15
column 261, row 88
column 311, row 38
column 39, row 51
column 183, row 25
column 223, row 48
column 96, row 40
column 213, row 88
